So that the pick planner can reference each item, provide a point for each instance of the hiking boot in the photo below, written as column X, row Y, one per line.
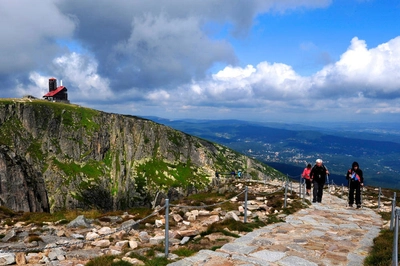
column 351, row 205
column 314, row 201
column 308, row 194
column 358, row 206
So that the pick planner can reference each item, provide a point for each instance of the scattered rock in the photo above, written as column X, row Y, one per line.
column 79, row 221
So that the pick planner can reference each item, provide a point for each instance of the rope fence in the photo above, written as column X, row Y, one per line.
column 286, row 186
column 74, row 243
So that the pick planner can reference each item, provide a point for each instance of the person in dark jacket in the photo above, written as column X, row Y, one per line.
column 356, row 181
column 318, row 178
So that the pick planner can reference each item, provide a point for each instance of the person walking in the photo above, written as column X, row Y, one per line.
column 306, row 176
column 356, row 181
column 318, row 178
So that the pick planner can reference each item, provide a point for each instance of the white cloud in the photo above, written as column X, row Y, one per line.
column 38, row 87
column 81, row 77
column 158, row 96
column 354, row 84
column 78, row 74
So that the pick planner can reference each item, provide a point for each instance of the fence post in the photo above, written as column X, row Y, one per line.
column 300, row 185
column 245, row 205
column 300, row 189
column 379, row 198
column 393, row 210
column 286, row 187
column 166, row 227
column 291, row 187
column 395, row 255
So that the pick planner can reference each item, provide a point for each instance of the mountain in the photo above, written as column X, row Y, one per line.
column 288, row 147
column 56, row 156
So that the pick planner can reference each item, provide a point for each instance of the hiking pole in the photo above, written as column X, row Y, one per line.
column 379, row 198
column 361, row 197
column 348, row 194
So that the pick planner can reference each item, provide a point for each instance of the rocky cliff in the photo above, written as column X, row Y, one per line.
column 56, row 156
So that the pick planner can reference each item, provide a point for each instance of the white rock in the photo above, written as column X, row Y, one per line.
column 120, row 244
column 133, row 244
column 157, row 240
column 113, row 252
column 177, row 218
column 204, row 213
column 133, row 261
column 210, row 220
column 184, row 240
column 231, row 215
column 91, row 235
column 106, row 231
column 159, row 223
column 192, row 218
column 144, row 237
column 101, row 243
column 7, row 258
column 77, row 236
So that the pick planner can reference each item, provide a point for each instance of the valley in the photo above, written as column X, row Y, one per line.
column 288, row 148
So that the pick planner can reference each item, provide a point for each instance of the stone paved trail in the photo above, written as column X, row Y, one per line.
column 327, row 233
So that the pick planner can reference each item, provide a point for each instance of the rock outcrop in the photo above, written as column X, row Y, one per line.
column 83, row 158
column 21, row 187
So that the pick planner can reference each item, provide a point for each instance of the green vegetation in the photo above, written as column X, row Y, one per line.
column 381, row 253
column 158, row 174
column 90, row 169
column 37, row 126
column 184, row 252
column 148, row 257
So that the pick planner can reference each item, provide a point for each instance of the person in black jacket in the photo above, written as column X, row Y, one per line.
column 356, row 181
column 318, row 178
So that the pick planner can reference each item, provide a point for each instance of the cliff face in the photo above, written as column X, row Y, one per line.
column 58, row 156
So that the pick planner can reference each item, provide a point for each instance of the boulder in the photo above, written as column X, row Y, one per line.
column 79, row 221
column 231, row 215
column 106, row 231
column 102, row 243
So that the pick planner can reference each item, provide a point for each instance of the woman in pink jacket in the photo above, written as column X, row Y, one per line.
column 306, row 176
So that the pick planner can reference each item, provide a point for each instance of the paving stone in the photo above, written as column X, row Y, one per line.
column 296, row 261
column 269, row 256
column 237, row 248
column 250, row 260
column 323, row 234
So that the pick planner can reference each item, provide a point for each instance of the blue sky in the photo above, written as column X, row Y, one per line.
column 276, row 60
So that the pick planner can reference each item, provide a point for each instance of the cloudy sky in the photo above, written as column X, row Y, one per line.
column 260, row 60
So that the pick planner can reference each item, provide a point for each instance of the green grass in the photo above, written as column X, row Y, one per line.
column 381, row 253
column 184, row 252
column 101, row 261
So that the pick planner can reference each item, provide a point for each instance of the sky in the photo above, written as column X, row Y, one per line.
column 258, row 60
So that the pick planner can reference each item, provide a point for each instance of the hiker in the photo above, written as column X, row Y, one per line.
column 233, row 174
column 217, row 177
column 356, row 181
column 306, row 176
column 239, row 174
column 318, row 178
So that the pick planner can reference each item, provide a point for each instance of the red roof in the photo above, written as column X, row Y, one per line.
column 52, row 93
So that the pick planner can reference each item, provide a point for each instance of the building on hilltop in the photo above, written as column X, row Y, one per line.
column 56, row 94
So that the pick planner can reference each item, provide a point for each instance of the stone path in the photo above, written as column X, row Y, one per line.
column 327, row 233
